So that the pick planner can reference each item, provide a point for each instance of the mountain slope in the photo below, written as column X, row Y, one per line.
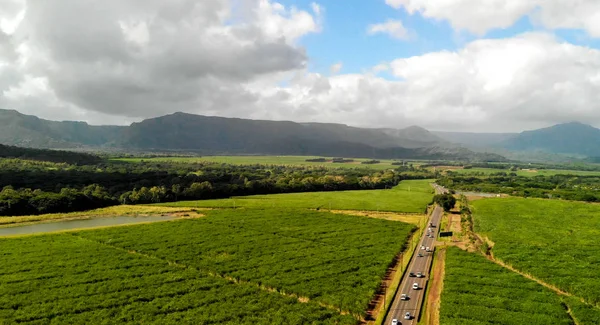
column 30, row 131
column 569, row 138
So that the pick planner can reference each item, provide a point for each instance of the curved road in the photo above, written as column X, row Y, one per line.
column 417, row 264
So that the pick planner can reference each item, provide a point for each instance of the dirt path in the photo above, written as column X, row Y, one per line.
column 437, row 285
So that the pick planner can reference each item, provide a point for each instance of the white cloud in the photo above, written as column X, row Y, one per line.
column 480, row 16
column 336, row 68
column 145, row 58
column 394, row 28
column 492, row 85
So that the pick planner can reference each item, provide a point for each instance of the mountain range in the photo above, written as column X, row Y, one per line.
column 209, row 135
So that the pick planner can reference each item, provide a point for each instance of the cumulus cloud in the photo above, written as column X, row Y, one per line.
column 494, row 85
column 394, row 28
column 145, row 58
column 479, row 16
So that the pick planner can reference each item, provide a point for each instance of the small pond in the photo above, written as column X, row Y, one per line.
column 78, row 224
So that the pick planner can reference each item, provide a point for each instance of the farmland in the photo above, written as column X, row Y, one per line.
column 268, row 160
column 234, row 266
column 553, row 241
column 477, row 291
column 407, row 197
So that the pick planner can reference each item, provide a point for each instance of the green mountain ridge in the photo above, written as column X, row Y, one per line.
column 572, row 138
column 209, row 135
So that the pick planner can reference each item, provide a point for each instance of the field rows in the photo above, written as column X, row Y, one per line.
column 477, row 291
column 334, row 259
column 92, row 277
column 88, row 283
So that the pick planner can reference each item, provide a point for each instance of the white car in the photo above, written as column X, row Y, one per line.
column 415, row 286
column 407, row 315
column 404, row 296
column 395, row 322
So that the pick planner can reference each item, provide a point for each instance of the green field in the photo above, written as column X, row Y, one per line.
column 269, row 160
column 478, row 292
column 554, row 241
column 231, row 267
column 527, row 173
column 407, row 197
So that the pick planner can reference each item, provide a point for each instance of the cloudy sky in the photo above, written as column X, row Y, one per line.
column 460, row 65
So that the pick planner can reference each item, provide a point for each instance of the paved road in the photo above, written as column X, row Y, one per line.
column 417, row 264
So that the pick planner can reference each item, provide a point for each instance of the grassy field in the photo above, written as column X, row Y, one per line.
column 270, row 160
column 554, row 241
column 527, row 173
column 478, row 292
column 115, row 211
column 232, row 267
column 407, row 197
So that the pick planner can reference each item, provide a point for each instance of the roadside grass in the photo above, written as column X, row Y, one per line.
column 408, row 197
column 114, row 211
column 269, row 160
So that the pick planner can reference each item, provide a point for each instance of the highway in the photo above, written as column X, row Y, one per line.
column 417, row 264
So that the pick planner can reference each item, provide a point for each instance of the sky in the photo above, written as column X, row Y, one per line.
column 448, row 65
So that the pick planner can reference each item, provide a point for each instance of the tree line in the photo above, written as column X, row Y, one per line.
column 36, row 187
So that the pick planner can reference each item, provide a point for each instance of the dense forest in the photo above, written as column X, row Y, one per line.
column 35, row 187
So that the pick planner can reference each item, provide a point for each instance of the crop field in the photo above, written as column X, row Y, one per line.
column 62, row 279
column 407, row 197
column 478, row 292
column 554, row 241
column 270, row 160
column 234, row 266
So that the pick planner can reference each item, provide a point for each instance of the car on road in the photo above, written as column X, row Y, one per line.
column 404, row 296
column 412, row 274
column 415, row 286
column 420, row 255
column 420, row 275
column 395, row 322
column 407, row 315
column 428, row 249
column 422, row 247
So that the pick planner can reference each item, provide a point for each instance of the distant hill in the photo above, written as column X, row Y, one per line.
column 568, row 138
column 217, row 135
column 30, row 131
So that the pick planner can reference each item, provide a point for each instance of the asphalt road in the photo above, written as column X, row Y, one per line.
column 417, row 264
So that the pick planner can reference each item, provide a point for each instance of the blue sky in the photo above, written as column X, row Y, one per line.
column 344, row 36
